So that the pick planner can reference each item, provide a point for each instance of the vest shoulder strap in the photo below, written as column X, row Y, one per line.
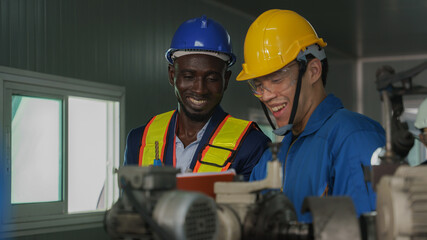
column 218, row 154
column 155, row 131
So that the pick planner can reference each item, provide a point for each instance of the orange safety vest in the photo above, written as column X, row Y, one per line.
column 216, row 156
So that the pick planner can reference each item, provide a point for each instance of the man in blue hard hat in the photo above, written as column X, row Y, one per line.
column 198, row 136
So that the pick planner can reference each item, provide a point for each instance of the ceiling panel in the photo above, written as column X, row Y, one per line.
column 357, row 28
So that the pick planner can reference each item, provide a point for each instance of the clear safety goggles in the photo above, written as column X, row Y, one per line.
column 277, row 81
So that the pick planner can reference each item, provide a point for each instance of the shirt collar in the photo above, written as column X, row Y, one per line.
column 202, row 131
column 199, row 134
column 322, row 112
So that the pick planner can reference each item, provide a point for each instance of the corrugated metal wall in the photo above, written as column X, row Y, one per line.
column 118, row 42
column 110, row 41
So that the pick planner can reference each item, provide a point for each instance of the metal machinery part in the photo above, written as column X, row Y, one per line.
column 229, row 223
column 272, row 215
column 246, row 213
column 368, row 225
column 402, row 204
column 254, row 215
column 334, row 218
column 151, row 208
column 188, row 215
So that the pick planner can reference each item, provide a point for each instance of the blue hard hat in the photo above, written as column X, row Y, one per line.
column 201, row 34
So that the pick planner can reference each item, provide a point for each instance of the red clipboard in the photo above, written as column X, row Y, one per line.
column 203, row 182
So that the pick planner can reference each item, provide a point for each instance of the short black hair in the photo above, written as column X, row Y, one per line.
column 325, row 67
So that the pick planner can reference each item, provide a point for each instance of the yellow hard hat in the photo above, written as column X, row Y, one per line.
column 275, row 39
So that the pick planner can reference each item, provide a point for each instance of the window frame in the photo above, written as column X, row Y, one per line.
column 52, row 216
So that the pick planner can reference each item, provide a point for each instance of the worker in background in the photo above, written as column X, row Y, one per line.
column 198, row 136
column 325, row 147
column 421, row 124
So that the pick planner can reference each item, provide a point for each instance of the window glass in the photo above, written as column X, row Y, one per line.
column 88, row 137
column 36, row 149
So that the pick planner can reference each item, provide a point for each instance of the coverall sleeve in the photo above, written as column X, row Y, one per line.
column 250, row 152
column 347, row 173
column 260, row 170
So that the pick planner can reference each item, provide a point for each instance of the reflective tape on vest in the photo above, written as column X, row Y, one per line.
column 155, row 131
column 218, row 154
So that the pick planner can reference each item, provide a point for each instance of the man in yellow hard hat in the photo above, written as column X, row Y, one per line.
column 325, row 147
column 199, row 136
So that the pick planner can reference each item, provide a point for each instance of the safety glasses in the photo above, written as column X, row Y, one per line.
column 277, row 81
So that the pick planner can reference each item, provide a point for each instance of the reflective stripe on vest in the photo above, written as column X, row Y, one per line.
column 216, row 155
column 156, row 130
column 220, row 151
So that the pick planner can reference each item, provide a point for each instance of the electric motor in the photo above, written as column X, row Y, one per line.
column 151, row 208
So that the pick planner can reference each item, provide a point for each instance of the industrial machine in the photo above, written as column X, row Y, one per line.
column 152, row 208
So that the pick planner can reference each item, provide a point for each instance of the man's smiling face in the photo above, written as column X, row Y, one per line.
column 199, row 83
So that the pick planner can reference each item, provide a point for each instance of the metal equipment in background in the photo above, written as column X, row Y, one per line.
column 272, row 216
column 398, row 139
column 401, row 190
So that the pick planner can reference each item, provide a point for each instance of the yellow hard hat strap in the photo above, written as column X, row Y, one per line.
column 283, row 130
column 317, row 52
column 267, row 115
column 302, row 69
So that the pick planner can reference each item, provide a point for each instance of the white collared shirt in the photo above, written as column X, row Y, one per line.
column 184, row 156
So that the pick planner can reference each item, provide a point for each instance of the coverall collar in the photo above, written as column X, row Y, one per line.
column 322, row 113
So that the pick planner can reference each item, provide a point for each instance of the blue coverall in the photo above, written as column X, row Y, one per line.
column 327, row 158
